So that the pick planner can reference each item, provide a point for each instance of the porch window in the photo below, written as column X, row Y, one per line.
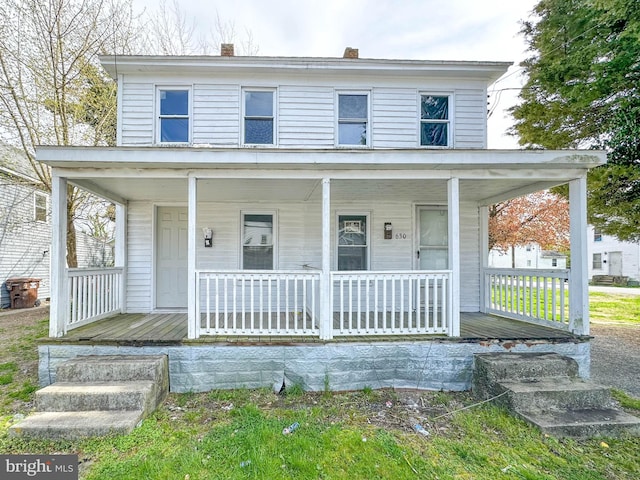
column 353, row 242
column 597, row 261
column 39, row 207
column 353, row 119
column 258, row 241
column 434, row 120
column 259, row 119
column 554, row 262
column 173, row 120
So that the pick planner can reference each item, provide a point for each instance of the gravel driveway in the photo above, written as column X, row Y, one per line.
column 615, row 356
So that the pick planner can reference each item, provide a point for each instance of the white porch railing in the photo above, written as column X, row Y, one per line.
column 391, row 303
column 539, row 296
column 93, row 294
column 258, row 303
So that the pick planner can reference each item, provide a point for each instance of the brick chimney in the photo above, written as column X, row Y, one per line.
column 350, row 53
column 226, row 50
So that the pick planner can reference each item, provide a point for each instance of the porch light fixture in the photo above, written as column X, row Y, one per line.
column 208, row 237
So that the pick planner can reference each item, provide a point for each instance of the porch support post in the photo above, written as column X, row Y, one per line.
column 59, row 296
column 326, row 308
column 192, row 320
column 120, row 254
column 484, row 256
column 453, row 197
column 578, row 286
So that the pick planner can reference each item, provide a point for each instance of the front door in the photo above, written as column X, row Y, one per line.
column 171, row 257
column 433, row 239
column 615, row 264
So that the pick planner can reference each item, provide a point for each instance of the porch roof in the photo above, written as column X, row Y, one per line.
column 152, row 173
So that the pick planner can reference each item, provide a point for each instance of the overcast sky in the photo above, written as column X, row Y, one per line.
column 400, row 29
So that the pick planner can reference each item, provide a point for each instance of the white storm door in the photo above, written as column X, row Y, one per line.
column 171, row 257
column 433, row 239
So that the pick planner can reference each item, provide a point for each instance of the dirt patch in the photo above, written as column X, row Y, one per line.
column 615, row 356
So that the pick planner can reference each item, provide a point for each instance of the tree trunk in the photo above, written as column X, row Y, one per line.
column 513, row 256
column 72, row 253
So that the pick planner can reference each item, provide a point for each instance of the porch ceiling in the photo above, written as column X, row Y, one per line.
column 175, row 190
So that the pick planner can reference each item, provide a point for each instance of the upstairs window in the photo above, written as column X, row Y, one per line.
column 434, row 121
column 353, row 119
column 174, row 115
column 259, row 118
column 597, row 235
column 39, row 207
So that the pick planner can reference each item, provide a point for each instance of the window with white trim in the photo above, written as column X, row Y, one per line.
column 258, row 241
column 353, row 119
column 554, row 262
column 39, row 207
column 353, row 242
column 435, row 120
column 173, row 115
column 597, row 261
column 597, row 235
column 259, row 117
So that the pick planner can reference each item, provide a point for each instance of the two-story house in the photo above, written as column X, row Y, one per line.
column 322, row 220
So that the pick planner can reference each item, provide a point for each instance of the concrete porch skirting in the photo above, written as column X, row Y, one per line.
column 428, row 365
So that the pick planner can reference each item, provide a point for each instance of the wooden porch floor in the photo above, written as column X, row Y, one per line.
column 171, row 329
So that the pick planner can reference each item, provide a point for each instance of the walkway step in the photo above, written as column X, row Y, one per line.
column 96, row 396
column 107, row 368
column 555, row 393
column 545, row 390
column 72, row 425
column 524, row 366
column 586, row 423
column 86, row 396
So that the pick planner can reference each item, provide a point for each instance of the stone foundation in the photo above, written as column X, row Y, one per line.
column 428, row 365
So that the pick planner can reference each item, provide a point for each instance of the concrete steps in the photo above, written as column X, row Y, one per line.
column 97, row 395
column 544, row 389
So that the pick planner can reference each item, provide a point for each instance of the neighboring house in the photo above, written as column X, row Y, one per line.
column 529, row 256
column 319, row 219
column 25, row 228
column 609, row 256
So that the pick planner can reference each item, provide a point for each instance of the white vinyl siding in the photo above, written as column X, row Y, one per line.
column 469, row 257
column 470, row 119
column 137, row 113
column 306, row 116
column 394, row 113
column 140, row 257
column 299, row 242
column 215, row 114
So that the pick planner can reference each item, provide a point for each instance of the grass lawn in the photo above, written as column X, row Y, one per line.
column 614, row 308
column 357, row 435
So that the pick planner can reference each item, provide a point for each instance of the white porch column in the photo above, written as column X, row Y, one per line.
column 326, row 307
column 484, row 256
column 192, row 320
column 120, row 254
column 59, row 296
column 453, row 198
column 578, row 282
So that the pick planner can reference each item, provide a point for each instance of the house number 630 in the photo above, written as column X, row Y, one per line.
column 401, row 236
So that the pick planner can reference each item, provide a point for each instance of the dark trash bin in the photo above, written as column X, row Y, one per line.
column 23, row 292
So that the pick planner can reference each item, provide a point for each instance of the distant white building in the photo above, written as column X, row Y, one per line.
column 610, row 256
column 530, row 256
